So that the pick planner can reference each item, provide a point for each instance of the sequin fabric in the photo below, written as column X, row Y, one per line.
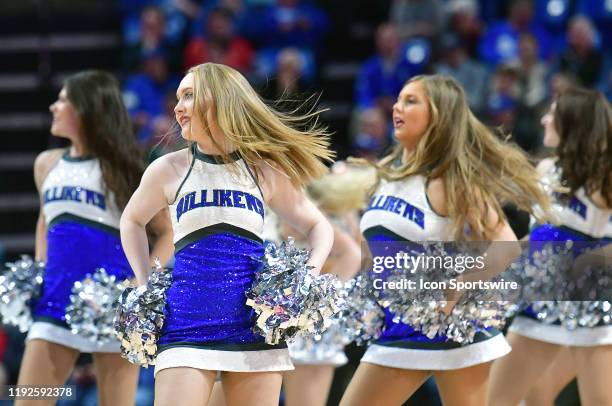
column 547, row 240
column 469, row 321
column 206, row 303
column 73, row 251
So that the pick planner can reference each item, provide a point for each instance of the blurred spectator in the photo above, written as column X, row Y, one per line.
column 382, row 76
column 501, row 40
column 220, row 44
column 372, row 137
column 177, row 15
column 464, row 22
column 503, row 97
column 582, row 59
column 508, row 110
column 417, row 18
column 152, row 38
column 469, row 73
column 532, row 72
column 600, row 12
column 245, row 19
column 294, row 23
column 145, row 93
column 288, row 81
column 559, row 83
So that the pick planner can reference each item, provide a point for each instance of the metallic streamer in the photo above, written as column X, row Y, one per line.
column 476, row 310
column 140, row 317
column 20, row 285
column 91, row 310
column 288, row 299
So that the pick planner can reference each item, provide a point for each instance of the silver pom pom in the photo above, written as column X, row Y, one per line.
column 140, row 317
column 288, row 299
column 319, row 348
column 546, row 275
column 19, row 287
column 475, row 312
column 362, row 318
column 91, row 310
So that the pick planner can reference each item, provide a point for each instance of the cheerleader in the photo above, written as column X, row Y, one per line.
column 579, row 126
column 443, row 182
column 82, row 191
column 243, row 156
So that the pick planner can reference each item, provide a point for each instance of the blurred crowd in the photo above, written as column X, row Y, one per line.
column 512, row 57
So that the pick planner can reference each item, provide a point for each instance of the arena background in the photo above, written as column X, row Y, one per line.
column 511, row 56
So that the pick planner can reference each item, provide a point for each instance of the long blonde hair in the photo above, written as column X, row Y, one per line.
column 480, row 171
column 340, row 193
column 296, row 143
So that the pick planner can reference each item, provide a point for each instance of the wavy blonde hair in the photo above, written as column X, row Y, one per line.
column 296, row 143
column 340, row 193
column 480, row 171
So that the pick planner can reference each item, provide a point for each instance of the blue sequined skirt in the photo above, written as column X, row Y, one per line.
column 75, row 249
column 401, row 335
column 402, row 346
column 527, row 323
column 206, row 304
column 544, row 234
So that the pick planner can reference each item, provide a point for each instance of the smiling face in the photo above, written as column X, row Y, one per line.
column 184, row 111
column 551, row 137
column 411, row 115
column 65, row 117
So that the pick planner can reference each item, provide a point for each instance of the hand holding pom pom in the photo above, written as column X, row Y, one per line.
column 288, row 299
column 428, row 311
column 140, row 317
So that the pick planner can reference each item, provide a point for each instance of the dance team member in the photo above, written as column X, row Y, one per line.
column 579, row 125
column 82, row 191
column 445, row 181
column 243, row 156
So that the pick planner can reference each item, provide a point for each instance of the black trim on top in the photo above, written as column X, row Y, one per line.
column 66, row 157
column 445, row 345
column 214, row 229
column 184, row 179
column 254, row 180
column 429, row 201
column 377, row 230
column 71, row 217
column 225, row 346
column 214, row 159
column 51, row 320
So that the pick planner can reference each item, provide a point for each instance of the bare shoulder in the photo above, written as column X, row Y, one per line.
column 272, row 177
column 545, row 165
column 170, row 166
column 436, row 194
column 167, row 172
column 44, row 162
